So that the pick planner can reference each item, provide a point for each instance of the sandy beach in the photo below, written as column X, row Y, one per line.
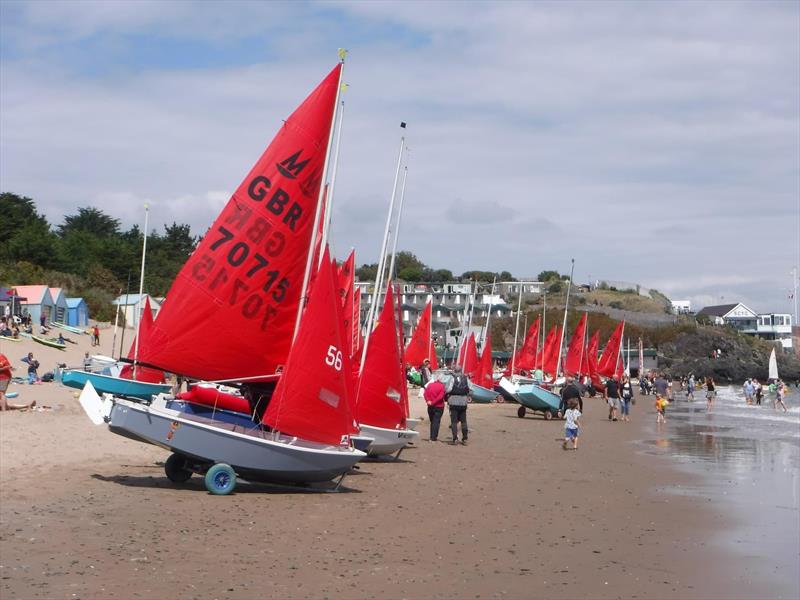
column 87, row 514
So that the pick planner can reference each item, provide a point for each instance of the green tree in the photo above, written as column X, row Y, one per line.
column 367, row 272
column 18, row 212
column 548, row 275
column 89, row 220
column 555, row 287
column 33, row 242
column 506, row 276
column 410, row 273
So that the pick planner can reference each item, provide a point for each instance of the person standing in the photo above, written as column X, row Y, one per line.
column 425, row 372
column 613, row 398
column 568, row 392
column 5, row 379
column 690, row 388
column 759, row 392
column 711, row 392
column 95, row 335
column 749, row 390
column 434, row 398
column 457, row 402
column 627, row 398
column 661, row 385
column 780, row 394
column 661, row 409
column 42, row 320
column 572, row 426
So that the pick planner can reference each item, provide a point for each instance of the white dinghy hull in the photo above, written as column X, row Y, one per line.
column 387, row 441
column 254, row 454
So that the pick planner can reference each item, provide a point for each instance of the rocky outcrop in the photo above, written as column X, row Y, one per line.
column 740, row 356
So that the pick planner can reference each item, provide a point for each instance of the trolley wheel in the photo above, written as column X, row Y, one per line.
column 548, row 415
column 176, row 468
column 220, row 479
column 521, row 412
column 559, row 415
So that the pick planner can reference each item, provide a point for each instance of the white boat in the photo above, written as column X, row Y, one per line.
column 773, row 365
column 388, row 441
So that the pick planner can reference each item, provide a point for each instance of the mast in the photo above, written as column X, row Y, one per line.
column 382, row 259
column 127, row 299
column 312, row 240
column 116, row 324
column 564, row 326
column 332, row 187
column 544, row 333
column 628, row 368
column 396, row 231
column 794, row 295
column 141, row 290
column 583, row 345
column 487, row 331
column 516, row 330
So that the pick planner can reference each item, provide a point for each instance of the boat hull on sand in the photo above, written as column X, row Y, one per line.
column 540, row 400
column 46, row 342
column 105, row 384
column 481, row 395
column 254, row 454
column 68, row 328
column 387, row 441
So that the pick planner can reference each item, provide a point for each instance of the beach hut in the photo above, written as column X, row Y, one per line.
column 60, row 304
column 10, row 302
column 132, row 305
column 77, row 312
column 38, row 302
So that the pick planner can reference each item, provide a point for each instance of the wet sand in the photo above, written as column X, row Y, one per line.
column 87, row 514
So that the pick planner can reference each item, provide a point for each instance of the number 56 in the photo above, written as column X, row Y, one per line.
column 334, row 358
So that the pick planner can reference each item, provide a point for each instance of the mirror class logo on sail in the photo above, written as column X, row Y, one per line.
column 250, row 258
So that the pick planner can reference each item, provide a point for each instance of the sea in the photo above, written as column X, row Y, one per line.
column 748, row 462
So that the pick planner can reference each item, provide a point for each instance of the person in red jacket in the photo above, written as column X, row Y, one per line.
column 434, row 397
column 5, row 378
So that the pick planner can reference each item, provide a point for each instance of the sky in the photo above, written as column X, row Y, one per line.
column 653, row 142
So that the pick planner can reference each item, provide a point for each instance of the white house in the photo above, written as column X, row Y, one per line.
column 770, row 326
column 681, row 307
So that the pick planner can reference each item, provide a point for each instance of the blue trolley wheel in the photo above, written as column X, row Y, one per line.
column 220, row 479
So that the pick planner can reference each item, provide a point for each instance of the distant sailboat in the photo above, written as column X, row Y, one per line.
column 773, row 365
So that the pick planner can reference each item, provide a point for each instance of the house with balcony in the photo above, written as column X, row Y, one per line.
column 771, row 326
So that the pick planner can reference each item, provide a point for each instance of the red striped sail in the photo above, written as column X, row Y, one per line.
column 245, row 277
column 345, row 278
column 575, row 351
column 545, row 358
column 312, row 399
column 610, row 358
column 419, row 346
column 379, row 401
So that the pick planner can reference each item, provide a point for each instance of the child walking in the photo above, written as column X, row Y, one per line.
column 661, row 409
column 572, row 425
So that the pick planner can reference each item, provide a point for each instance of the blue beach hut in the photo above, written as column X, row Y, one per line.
column 77, row 312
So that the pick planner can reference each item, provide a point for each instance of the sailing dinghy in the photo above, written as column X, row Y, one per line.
column 252, row 271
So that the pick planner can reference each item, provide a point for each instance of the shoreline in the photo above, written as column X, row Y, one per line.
column 86, row 512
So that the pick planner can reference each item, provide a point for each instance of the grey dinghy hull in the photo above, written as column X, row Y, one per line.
column 252, row 453
column 387, row 441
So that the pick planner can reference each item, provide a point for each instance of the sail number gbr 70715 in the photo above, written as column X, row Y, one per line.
column 256, row 286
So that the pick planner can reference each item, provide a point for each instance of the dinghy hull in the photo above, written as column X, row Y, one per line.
column 387, row 441
column 252, row 452
column 481, row 395
column 105, row 384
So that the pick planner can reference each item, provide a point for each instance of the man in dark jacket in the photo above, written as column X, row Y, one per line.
column 569, row 391
column 457, row 401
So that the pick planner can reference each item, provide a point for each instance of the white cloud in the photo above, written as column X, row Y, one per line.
column 652, row 142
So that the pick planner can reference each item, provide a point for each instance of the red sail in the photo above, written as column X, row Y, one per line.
column 145, row 374
column 419, row 347
column 575, row 351
column 551, row 364
column 545, row 357
column 594, row 344
column 380, row 398
column 401, row 342
column 470, row 356
column 247, row 272
column 526, row 359
column 432, row 355
column 483, row 374
column 608, row 362
column 312, row 399
column 346, row 288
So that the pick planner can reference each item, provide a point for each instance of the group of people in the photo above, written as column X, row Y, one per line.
column 6, row 374
column 753, row 391
column 445, row 389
